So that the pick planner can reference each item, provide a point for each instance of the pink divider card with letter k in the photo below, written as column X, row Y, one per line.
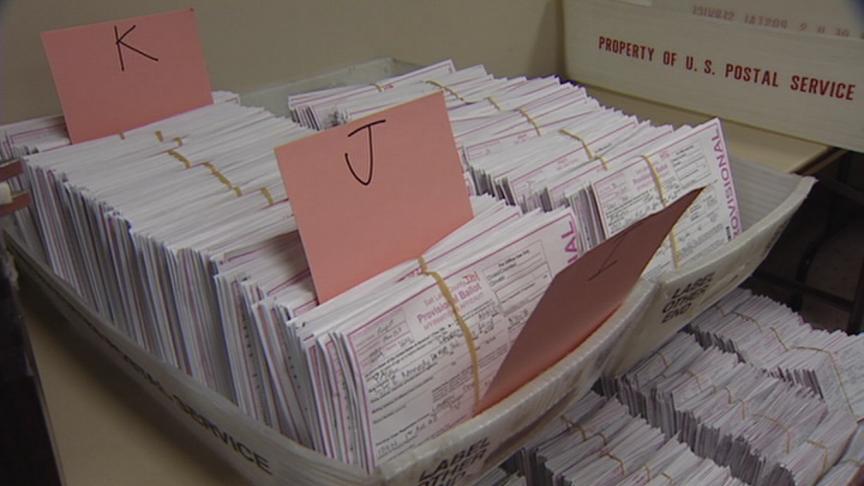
column 119, row 75
column 374, row 192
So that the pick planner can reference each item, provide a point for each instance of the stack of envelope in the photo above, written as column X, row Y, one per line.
column 706, row 412
column 540, row 143
column 598, row 442
column 775, row 339
column 180, row 233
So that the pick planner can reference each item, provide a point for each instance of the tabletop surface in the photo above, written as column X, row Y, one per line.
column 106, row 433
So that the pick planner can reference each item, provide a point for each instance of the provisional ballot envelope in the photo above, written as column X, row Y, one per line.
column 581, row 297
column 118, row 75
column 375, row 192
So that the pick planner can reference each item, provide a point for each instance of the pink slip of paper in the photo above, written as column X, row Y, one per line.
column 375, row 192
column 580, row 298
column 118, row 75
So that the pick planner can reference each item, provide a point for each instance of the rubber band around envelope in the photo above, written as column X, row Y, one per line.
column 159, row 136
column 605, row 453
column 448, row 89
column 531, row 120
column 779, row 339
column 695, row 376
column 734, row 403
column 122, row 136
column 179, row 141
column 836, row 371
column 581, row 140
column 177, row 155
column 466, row 331
column 602, row 437
column 380, row 88
column 667, row 477
column 494, row 103
column 825, row 463
column 780, row 424
column 586, row 433
column 424, row 266
column 221, row 177
column 267, row 194
column 571, row 425
column 729, row 392
column 661, row 191
column 665, row 362
column 749, row 319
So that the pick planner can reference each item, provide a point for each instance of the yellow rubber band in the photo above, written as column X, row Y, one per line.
column 177, row 155
column 602, row 437
column 494, row 103
column 731, row 399
column 667, row 477
column 749, row 319
column 695, row 376
column 447, row 89
column 825, row 461
column 466, row 331
column 778, row 424
column 179, row 141
column 380, row 88
column 574, row 426
column 580, row 140
column 267, row 194
column 221, row 177
column 608, row 454
column 159, row 136
column 530, row 120
column 665, row 362
column 779, row 339
column 661, row 191
column 424, row 266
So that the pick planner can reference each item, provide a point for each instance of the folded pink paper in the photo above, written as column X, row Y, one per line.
column 580, row 298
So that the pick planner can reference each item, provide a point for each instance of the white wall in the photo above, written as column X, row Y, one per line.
column 253, row 43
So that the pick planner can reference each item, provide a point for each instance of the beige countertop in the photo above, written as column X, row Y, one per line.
column 105, row 431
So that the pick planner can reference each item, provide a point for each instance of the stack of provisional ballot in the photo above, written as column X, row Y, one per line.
column 709, row 409
column 181, row 234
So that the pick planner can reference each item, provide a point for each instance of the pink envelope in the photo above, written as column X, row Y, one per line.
column 580, row 298
column 375, row 192
column 118, row 75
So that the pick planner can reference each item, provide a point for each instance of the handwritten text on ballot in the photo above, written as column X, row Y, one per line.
column 118, row 75
column 374, row 192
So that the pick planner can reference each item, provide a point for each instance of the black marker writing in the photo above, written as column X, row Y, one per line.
column 371, row 153
column 610, row 260
column 119, row 41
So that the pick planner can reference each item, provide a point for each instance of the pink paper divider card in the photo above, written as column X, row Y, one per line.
column 580, row 298
column 374, row 192
column 118, row 75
